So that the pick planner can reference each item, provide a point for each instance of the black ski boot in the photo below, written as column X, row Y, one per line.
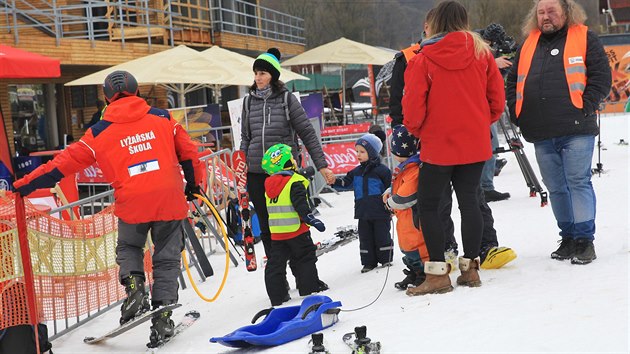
column 162, row 327
column 137, row 301
column 413, row 278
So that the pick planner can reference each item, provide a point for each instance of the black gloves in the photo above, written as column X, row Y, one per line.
column 190, row 190
column 314, row 222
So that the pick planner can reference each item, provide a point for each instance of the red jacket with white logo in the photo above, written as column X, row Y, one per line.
column 451, row 97
column 140, row 149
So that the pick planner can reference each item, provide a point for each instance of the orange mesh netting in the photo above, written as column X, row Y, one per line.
column 74, row 264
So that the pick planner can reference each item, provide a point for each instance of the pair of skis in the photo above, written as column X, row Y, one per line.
column 189, row 319
column 239, row 165
column 342, row 237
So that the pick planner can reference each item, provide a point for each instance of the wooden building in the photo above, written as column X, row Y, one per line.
column 91, row 35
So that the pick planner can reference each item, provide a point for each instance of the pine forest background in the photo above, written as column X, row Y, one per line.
column 397, row 24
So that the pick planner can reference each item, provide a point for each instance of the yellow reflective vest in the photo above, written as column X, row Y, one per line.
column 282, row 216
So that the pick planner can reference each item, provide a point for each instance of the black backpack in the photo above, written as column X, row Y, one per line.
column 21, row 340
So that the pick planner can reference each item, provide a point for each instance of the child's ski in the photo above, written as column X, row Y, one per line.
column 342, row 237
column 239, row 165
column 189, row 319
column 129, row 325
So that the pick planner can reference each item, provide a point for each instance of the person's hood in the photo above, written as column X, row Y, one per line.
column 453, row 52
column 126, row 109
column 431, row 40
column 275, row 183
column 415, row 159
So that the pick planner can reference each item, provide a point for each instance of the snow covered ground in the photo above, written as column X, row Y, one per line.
column 534, row 304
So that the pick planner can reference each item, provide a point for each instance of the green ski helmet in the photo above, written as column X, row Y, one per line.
column 277, row 158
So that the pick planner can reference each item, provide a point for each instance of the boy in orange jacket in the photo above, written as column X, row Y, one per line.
column 402, row 200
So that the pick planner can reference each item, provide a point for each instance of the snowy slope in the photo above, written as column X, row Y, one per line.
column 534, row 304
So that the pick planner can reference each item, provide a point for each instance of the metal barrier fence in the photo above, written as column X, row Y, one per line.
column 103, row 20
column 91, row 20
column 76, row 277
column 242, row 17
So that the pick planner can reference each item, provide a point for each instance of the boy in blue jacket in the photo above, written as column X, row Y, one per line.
column 370, row 180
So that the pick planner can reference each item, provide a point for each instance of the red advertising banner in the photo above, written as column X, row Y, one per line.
column 619, row 59
column 92, row 174
column 347, row 129
column 341, row 157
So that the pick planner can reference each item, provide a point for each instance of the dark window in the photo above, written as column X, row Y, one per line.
column 84, row 96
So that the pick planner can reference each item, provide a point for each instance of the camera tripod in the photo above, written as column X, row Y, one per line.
column 600, row 166
column 516, row 146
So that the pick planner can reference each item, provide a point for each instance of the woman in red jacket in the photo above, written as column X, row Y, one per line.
column 453, row 92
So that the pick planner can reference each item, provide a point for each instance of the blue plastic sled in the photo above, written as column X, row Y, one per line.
column 285, row 324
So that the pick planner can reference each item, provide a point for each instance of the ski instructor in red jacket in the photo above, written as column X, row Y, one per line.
column 453, row 92
column 140, row 150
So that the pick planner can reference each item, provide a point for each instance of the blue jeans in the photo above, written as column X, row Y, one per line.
column 565, row 166
column 487, row 174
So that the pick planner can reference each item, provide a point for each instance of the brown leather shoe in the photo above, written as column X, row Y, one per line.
column 470, row 272
column 437, row 281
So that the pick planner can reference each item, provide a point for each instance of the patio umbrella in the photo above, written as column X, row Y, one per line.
column 180, row 69
column 19, row 64
column 342, row 51
column 225, row 55
column 243, row 64
column 173, row 67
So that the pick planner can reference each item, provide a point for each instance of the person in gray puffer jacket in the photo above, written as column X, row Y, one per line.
column 265, row 123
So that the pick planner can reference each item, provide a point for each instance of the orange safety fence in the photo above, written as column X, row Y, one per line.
column 74, row 264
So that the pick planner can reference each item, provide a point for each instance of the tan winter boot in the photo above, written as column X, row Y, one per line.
column 470, row 272
column 437, row 281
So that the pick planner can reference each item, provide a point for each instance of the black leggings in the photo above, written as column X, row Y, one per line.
column 256, row 190
column 432, row 182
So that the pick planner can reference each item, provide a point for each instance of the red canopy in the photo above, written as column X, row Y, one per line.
column 16, row 63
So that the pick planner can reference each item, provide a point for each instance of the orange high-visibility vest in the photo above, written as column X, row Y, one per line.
column 411, row 52
column 573, row 59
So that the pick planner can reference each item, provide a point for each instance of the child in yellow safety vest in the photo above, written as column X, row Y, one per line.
column 290, row 218
column 402, row 200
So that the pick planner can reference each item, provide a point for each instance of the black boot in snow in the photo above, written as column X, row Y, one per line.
column 162, row 327
column 409, row 279
column 137, row 301
column 566, row 249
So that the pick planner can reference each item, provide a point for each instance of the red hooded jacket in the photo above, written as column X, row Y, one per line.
column 451, row 98
column 139, row 149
